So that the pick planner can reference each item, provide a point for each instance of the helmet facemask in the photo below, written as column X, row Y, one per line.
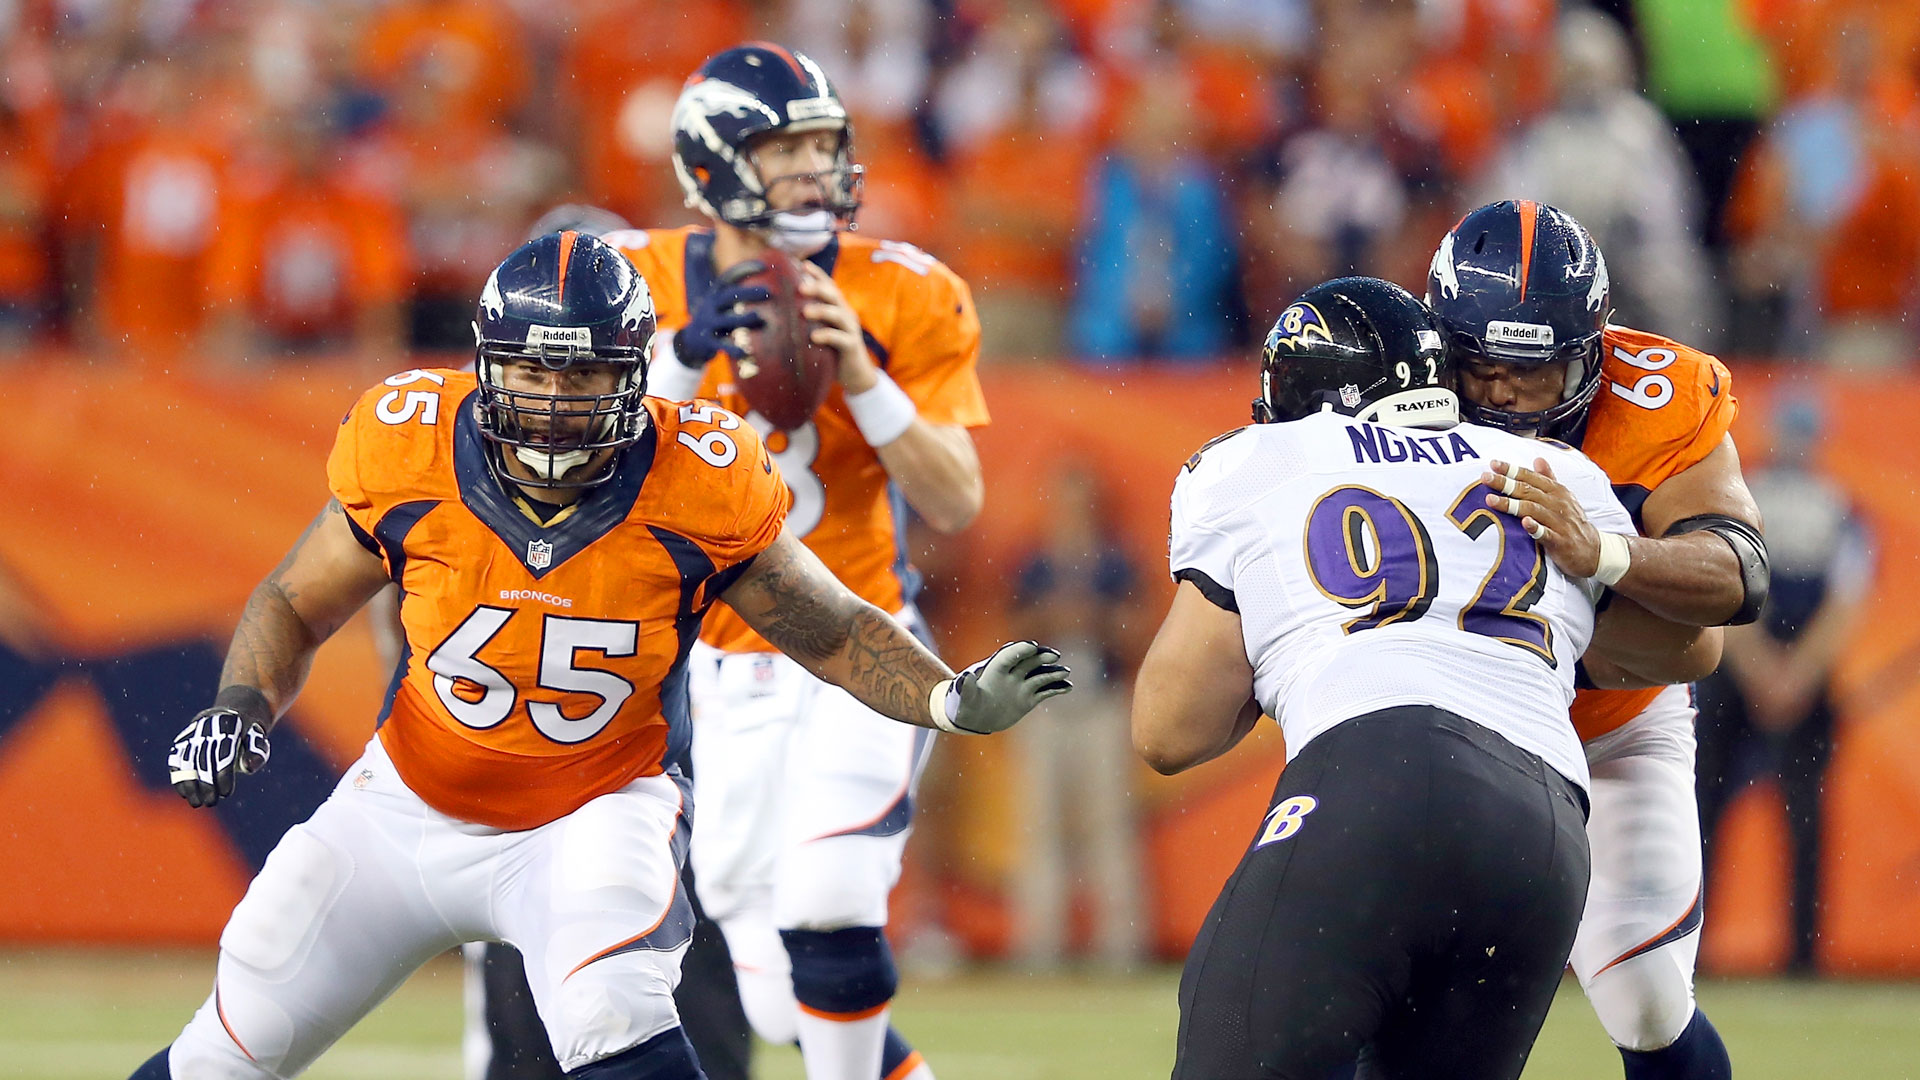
column 553, row 435
column 1565, row 420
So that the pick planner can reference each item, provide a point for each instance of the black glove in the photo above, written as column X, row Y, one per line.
column 218, row 745
column 994, row 694
column 714, row 318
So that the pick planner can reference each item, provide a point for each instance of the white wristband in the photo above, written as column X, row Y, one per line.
column 1615, row 558
column 883, row 412
column 667, row 377
column 937, row 708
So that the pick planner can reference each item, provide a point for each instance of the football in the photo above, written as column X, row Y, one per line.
column 784, row 374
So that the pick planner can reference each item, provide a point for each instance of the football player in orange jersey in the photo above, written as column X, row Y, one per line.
column 806, row 794
column 1523, row 293
column 558, row 537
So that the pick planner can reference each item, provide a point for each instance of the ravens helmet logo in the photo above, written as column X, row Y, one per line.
column 1299, row 326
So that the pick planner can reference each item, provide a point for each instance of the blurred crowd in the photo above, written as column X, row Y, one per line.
column 1118, row 179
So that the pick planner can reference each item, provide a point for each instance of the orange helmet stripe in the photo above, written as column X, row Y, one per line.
column 1529, row 214
column 783, row 53
column 566, row 255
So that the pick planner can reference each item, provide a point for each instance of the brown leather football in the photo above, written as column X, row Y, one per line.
column 784, row 374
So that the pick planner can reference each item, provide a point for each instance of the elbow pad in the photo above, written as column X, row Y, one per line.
column 1749, row 547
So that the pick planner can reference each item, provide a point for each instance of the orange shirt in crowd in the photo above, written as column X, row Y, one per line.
column 622, row 69
column 1868, row 260
column 304, row 256
column 154, row 195
column 1024, row 242
column 467, row 49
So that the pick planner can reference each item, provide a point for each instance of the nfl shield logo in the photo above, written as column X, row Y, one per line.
column 539, row 554
column 1350, row 395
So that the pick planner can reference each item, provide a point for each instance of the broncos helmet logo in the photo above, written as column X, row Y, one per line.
column 639, row 309
column 1597, row 294
column 1442, row 269
column 1299, row 326
column 490, row 298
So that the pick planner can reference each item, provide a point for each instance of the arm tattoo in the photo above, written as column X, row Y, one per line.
column 273, row 646
column 808, row 614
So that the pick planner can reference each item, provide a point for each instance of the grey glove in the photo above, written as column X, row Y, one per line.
column 211, row 751
column 992, row 695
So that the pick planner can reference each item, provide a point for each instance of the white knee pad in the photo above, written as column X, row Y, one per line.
column 835, row 883
column 1645, row 1003
column 613, row 1004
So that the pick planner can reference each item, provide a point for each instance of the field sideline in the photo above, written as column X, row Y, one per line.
column 94, row 1015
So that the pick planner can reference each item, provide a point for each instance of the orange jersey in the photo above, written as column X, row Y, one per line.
column 545, row 664
column 1663, row 408
column 921, row 329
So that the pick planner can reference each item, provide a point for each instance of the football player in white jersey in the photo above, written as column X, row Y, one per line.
column 1347, row 565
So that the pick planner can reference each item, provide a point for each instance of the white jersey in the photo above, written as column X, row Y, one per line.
column 1369, row 573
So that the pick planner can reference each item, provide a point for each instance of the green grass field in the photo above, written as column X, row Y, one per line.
column 96, row 1015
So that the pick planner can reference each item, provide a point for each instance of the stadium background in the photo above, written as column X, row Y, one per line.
column 220, row 221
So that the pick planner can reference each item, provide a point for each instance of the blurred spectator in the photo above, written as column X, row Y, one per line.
column 1826, row 217
column 29, row 143
column 1020, row 107
column 1339, row 199
column 1707, row 71
column 468, row 191
column 1078, row 798
column 876, row 51
column 146, row 198
column 305, row 261
column 467, row 52
column 1157, row 255
column 1605, row 155
column 1769, row 710
column 620, row 70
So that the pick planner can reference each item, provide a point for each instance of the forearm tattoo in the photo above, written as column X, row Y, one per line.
column 273, row 646
column 809, row 615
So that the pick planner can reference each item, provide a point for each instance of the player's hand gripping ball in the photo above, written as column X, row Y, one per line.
column 211, row 751
column 782, row 371
column 994, row 694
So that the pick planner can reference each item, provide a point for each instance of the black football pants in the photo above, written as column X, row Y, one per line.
column 1417, row 917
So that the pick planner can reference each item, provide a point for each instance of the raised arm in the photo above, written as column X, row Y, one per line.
column 790, row 598
column 323, row 580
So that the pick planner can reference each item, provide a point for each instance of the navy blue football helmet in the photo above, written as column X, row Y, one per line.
column 563, row 300
column 1520, row 282
column 1361, row 347
column 738, row 95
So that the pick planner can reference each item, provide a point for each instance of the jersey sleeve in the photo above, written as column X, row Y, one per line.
column 752, row 495
column 1199, row 548
column 345, row 471
column 1671, row 406
column 936, row 348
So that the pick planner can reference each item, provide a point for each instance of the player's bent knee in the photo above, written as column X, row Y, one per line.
column 613, row 1004
column 1643, row 1003
column 666, row 1056
column 841, row 973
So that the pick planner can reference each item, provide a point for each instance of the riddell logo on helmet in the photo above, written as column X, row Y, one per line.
column 575, row 336
column 1519, row 333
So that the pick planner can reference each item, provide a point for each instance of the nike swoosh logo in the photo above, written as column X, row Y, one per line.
column 1715, row 389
